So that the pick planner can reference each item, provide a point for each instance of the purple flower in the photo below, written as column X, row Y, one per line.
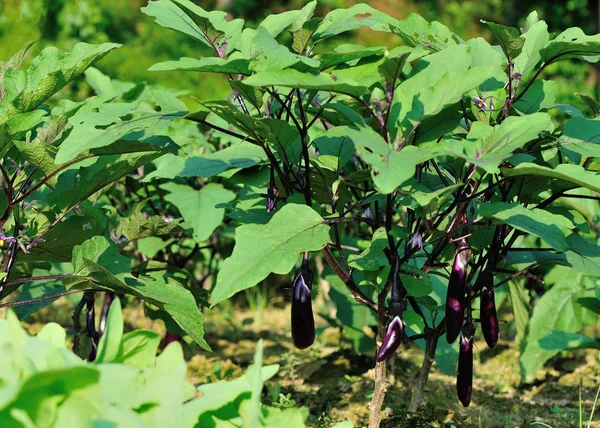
column 416, row 241
column 272, row 194
column 393, row 338
column 480, row 104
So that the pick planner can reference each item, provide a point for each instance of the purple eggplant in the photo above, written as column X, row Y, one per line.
column 303, row 323
column 487, row 308
column 464, row 377
column 455, row 299
column 393, row 338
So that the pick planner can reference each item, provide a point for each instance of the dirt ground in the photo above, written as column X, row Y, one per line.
column 335, row 383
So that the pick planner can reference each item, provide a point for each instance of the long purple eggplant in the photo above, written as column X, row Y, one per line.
column 393, row 338
column 464, row 377
column 455, row 298
column 487, row 308
column 303, row 323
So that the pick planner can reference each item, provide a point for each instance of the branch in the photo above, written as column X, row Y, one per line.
column 347, row 279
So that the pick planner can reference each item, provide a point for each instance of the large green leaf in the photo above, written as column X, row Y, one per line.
column 291, row 78
column 570, row 173
column 243, row 155
column 111, row 122
column 582, row 136
column 100, row 259
column 206, row 65
column 541, row 223
column 270, row 248
column 352, row 316
column 572, row 44
column 510, row 39
column 48, row 73
column 71, row 190
column 202, row 209
column 488, row 146
column 557, row 309
column 341, row 20
column 278, row 22
column 536, row 38
column 416, row 31
column 211, row 28
column 390, row 168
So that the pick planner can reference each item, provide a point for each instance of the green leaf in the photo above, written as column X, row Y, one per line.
column 211, row 28
column 100, row 259
column 90, row 179
column 419, row 284
column 373, row 257
column 561, row 340
column 581, row 135
column 567, row 172
column 509, row 38
column 591, row 303
column 36, row 290
column 243, row 155
column 536, row 38
column 59, row 241
column 557, row 309
column 105, row 124
column 352, row 316
column 572, row 44
column 488, row 146
column 519, row 301
column 416, row 31
column 346, row 53
column 390, row 168
column 202, row 209
column 48, row 73
column 138, row 348
column 137, row 225
column 110, row 342
column 267, row 54
column 270, row 248
column 540, row 96
column 276, row 23
column 541, row 223
column 341, row 20
column 206, row 65
column 291, row 78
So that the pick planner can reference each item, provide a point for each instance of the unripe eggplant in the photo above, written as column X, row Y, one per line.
column 272, row 193
column 393, row 338
column 464, row 377
column 455, row 298
column 303, row 323
column 487, row 308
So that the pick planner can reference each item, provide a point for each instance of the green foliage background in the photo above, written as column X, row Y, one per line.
column 62, row 23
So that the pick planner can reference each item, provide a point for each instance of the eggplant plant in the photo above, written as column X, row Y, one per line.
column 428, row 175
column 424, row 181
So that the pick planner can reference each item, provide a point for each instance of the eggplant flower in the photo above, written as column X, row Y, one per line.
column 455, row 299
column 272, row 194
column 393, row 338
column 480, row 104
column 303, row 323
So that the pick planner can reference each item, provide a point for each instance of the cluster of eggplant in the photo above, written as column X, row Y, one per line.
column 455, row 313
column 458, row 300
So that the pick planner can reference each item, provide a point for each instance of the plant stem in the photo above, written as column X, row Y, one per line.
column 431, row 341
